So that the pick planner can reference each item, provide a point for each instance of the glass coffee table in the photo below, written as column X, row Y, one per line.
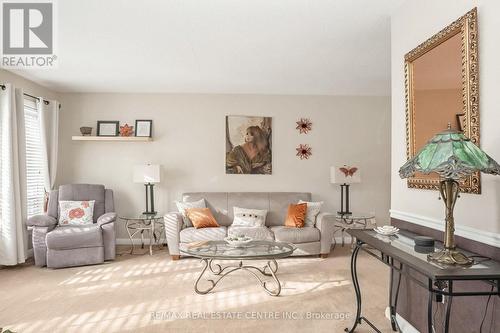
column 208, row 251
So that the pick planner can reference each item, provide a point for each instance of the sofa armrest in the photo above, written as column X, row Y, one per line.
column 41, row 221
column 325, row 222
column 106, row 218
column 173, row 226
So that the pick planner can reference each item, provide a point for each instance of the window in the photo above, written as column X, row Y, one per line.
column 34, row 164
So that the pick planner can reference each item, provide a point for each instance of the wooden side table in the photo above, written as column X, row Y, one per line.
column 152, row 224
column 352, row 221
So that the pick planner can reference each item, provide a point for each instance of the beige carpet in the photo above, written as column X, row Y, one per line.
column 142, row 293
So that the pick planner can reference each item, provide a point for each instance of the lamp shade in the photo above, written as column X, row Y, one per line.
column 451, row 155
column 148, row 173
column 344, row 175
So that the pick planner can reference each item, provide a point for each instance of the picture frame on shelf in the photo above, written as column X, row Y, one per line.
column 144, row 128
column 108, row 127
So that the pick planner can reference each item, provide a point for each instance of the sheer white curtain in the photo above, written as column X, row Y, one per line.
column 49, row 130
column 13, row 245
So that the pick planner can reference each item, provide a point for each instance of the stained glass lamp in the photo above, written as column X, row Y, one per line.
column 452, row 156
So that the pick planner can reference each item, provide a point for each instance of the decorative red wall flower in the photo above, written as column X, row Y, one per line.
column 304, row 125
column 304, row 151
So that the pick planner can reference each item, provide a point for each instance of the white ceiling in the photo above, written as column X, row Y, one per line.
column 336, row 47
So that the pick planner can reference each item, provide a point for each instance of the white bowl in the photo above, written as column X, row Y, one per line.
column 387, row 227
column 386, row 231
column 240, row 242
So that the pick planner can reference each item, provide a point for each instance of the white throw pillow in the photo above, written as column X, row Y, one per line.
column 244, row 217
column 313, row 209
column 182, row 206
column 76, row 212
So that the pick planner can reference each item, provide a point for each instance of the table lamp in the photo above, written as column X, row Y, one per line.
column 452, row 156
column 344, row 175
column 148, row 175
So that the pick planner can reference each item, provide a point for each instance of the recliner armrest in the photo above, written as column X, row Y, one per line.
column 106, row 218
column 41, row 221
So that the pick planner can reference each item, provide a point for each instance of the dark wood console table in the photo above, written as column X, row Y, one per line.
column 399, row 253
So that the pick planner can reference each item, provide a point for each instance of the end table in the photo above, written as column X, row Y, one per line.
column 152, row 224
column 352, row 221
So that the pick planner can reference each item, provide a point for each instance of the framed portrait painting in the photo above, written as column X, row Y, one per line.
column 249, row 145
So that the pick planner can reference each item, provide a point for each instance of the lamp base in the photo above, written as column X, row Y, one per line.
column 450, row 257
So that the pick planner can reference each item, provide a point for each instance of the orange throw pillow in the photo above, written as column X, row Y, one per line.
column 296, row 215
column 201, row 218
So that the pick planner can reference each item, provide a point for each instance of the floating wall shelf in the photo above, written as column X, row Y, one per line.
column 112, row 138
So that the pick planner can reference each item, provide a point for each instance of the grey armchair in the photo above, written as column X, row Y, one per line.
column 64, row 246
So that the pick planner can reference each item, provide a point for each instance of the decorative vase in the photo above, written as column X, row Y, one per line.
column 85, row 130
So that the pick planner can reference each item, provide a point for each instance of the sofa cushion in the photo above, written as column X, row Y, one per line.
column 278, row 205
column 296, row 215
column 81, row 192
column 76, row 212
column 313, row 209
column 295, row 235
column 216, row 201
column 188, row 235
column 245, row 217
column 257, row 233
column 182, row 206
column 74, row 237
column 201, row 218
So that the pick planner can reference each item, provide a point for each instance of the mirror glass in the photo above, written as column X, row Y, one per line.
column 441, row 81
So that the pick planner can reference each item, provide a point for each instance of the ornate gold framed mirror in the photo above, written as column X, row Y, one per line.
column 441, row 88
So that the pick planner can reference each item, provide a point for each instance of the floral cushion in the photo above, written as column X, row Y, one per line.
column 76, row 212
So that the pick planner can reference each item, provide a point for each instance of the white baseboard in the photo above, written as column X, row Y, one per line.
column 405, row 326
column 481, row 236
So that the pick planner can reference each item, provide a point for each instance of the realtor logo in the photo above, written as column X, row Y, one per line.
column 28, row 34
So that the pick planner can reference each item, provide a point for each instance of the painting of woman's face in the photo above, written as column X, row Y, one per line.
column 248, row 137
column 248, row 145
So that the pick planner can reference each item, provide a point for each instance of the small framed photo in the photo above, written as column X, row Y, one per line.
column 143, row 128
column 108, row 127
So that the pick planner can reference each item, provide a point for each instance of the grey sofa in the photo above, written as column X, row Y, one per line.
column 64, row 246
column 308, row 240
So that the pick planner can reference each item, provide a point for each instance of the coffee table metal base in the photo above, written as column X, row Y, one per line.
column 270, row 269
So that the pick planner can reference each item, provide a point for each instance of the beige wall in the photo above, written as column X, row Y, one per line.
column 189, row 142
column 477, row 216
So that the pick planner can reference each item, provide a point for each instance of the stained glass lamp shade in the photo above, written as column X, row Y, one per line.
column 452, row 156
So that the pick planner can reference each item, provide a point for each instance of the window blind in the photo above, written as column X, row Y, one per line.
column 34, row 163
